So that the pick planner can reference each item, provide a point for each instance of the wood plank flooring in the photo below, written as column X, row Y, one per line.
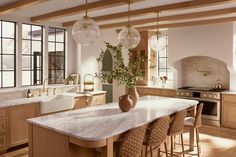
column 215, row 142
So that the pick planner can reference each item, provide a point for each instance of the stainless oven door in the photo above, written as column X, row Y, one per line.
column 211, row 109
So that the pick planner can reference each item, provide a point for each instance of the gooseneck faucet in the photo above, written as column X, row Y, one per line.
column 44, row 84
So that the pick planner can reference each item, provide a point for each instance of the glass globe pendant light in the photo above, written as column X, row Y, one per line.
column 157, row 42
column 129, row 37
column 85, row 31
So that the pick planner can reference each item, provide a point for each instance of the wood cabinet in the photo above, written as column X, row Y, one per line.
column 18, row 126
column 143, row 91
column 97, row 99
column 3, row 129
column 228, row 115
column 141, row 50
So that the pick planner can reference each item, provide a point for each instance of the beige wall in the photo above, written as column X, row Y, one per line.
column 192, row 72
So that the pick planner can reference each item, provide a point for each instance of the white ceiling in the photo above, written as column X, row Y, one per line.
column 54, row 5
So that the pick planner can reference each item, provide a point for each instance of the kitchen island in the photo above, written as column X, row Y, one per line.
column 76, row 133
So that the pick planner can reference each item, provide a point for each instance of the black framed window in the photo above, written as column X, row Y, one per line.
column 163, row 68
column 56, row 55
column 7, row 54
column 32, row 54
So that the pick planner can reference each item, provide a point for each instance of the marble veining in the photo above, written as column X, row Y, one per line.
column 100, row 122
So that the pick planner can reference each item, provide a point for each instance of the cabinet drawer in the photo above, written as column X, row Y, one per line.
column 3, row 126
column 168, row 93
column 148, row 91
column 3, row 113
column 3, row 142
column 98, row 99
column 229, row 98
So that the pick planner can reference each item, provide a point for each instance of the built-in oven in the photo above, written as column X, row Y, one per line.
column 211, row 107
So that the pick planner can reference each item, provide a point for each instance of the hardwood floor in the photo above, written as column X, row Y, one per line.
column 215, row 142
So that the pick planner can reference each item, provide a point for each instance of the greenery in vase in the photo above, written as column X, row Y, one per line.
column 123, row 74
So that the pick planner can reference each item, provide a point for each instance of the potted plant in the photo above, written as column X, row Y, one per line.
column 71, row 80
column 123, row 74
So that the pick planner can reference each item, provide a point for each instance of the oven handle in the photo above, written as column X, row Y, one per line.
column 200, row 99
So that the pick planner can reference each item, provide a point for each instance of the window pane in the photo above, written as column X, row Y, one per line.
column 162, row 72
column 36, row 46
column 8, row 46
column 26, row 75
column 60, row 48
column 59, row 76
column 8, row 78
column 8, row 62
column 51, row 47
column 163, row 63
column 60, row 63
column 36, row 32
column 39, row 62
column 52, row 62
column 51, row 34
column 163, row 53
column 0, row 28
column 60, row 35
column 26, row 62
column 26, row 47
column 26, row 31
column 8, row 29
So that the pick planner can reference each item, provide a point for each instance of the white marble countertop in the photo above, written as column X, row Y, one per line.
column 103, row 121
column 20, row 101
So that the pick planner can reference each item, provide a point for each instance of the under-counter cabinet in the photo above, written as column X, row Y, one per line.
column 228, row 110
column 3, row 129
column 18, row 126
column 143, row 91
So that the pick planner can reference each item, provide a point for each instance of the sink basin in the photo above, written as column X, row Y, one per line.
column 56, row 103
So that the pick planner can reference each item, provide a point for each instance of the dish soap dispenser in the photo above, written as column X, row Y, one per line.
column 29, row 94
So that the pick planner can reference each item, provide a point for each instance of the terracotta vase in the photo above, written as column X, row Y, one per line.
column 125, row 103
column 134, row 95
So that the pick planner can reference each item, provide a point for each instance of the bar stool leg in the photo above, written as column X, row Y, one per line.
column 197, row 139
column 166, row 149
column 146, row 151
column 171, row 146
column 151, row 150
column 159, row 152
column 182, row 143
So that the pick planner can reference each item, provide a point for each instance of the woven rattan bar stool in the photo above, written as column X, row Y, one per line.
column 132, row 143
column 195, row 122
column 177, row 128
column 156, row 135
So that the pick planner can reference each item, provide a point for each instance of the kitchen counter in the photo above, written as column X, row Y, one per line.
column 99, row 122
column 20, row 101
column 229, row 92
column 96, row 126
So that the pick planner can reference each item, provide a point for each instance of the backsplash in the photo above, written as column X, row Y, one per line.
column 201, row 71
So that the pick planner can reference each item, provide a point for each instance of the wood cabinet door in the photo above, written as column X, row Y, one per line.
column 228, row 114
column 18, row 126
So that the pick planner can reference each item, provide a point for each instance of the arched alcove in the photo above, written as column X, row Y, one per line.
column 107, row 66
column 201, row 71
column 107, row 62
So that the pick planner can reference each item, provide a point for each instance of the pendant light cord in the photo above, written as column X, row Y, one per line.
column 86, row 8
column 129, row 23
column 157, row 22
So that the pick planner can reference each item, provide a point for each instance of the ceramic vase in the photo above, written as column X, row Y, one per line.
column 134, row 95
column 125, row 103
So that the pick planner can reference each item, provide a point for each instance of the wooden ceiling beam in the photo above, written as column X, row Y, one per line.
column 173, row 17
column 182, row 5
column 190, row 23
column 20, row 4
column 78, row 9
